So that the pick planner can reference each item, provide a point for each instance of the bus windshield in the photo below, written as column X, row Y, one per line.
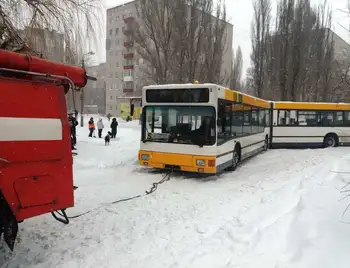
column 179, row 124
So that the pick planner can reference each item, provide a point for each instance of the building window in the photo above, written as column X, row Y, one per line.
column 116, row 31
column 110, row 97
column 127, row 72
column 110, row 107
column 117, row 18
column 108, row 44
column 128, row 85
column 110, row 32
column 128, row 62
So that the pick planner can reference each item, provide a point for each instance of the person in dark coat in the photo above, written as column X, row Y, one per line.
column 73, row 132
column 114, row 126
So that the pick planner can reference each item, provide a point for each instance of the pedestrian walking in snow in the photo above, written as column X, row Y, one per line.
column 114, row 126
column 73, row 124
column 100, row 127
column 91, row 126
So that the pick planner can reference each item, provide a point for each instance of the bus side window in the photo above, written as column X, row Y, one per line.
column 281, row 115
column 237, row 120
column 347, row 118
column 325, row 118
column 224, row 120
column 339, row 120
column 262, row 117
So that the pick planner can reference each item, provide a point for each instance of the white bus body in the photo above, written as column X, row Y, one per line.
column 228, row 141
column 310, row 125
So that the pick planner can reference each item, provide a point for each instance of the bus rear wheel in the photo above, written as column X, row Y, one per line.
column 330, row 140
column 266, row 144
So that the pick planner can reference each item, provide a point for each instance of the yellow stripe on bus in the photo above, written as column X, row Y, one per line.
column 255, row 102
column 311, row 106
column 235, row 96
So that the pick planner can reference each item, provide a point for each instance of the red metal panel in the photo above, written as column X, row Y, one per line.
column 41, row 185
column 29, row 99
column 61, row 186
column 17, row 61
column 29, row 158
column 128, row 67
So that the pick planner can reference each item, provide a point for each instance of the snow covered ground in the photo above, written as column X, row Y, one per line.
column 279, row 209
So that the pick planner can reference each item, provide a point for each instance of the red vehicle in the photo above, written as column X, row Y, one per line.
column 36, row 174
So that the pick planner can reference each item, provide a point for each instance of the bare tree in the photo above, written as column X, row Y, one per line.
column 181, row 41
column 154, row 36
column 293, row 61
column 260, row 29
column 236, row 73
column 77, row 20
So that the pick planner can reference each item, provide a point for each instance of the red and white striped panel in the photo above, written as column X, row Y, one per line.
column 30, row 129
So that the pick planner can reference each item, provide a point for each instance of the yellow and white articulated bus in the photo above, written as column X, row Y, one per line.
column 310, row 124
column 202, row 128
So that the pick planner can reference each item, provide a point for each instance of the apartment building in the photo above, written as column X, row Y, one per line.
column 95, row 91
column 125, row 67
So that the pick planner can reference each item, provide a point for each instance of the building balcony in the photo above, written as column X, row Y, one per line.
column 128, row 31
column 128, row 67
column 129, row 44
column 128, row 20
column 129, row 55
column 128, row 90
column 128, row 78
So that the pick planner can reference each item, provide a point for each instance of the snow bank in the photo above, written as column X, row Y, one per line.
column 279, row 209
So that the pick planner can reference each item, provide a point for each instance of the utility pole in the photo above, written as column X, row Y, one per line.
column 82, row 99
column 82, row 90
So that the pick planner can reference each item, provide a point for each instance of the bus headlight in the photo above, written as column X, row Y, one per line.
column 145, row 157
column 200, row 162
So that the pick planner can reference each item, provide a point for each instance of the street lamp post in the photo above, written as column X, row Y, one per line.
column 82, row 91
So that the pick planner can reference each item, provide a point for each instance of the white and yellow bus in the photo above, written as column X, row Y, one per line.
column 202, row 128
column 310, row 124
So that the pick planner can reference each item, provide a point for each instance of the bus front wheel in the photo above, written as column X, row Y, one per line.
column 236, row 157
column 331, row 140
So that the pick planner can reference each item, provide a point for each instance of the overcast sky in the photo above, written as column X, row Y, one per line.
column 240, row 14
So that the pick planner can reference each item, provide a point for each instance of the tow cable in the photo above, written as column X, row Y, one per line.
column 154, row 187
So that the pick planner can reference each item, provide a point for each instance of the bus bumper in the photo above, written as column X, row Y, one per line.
column 178, row 162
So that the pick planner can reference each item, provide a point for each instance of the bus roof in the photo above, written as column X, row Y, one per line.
column 130, row 98
column 285, row 105
column 229, row 94
column 240, row 97
column 175, row 86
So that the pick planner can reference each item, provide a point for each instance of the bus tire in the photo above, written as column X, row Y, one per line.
column 331, row 140
column 266, row 143
column 236, row 158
